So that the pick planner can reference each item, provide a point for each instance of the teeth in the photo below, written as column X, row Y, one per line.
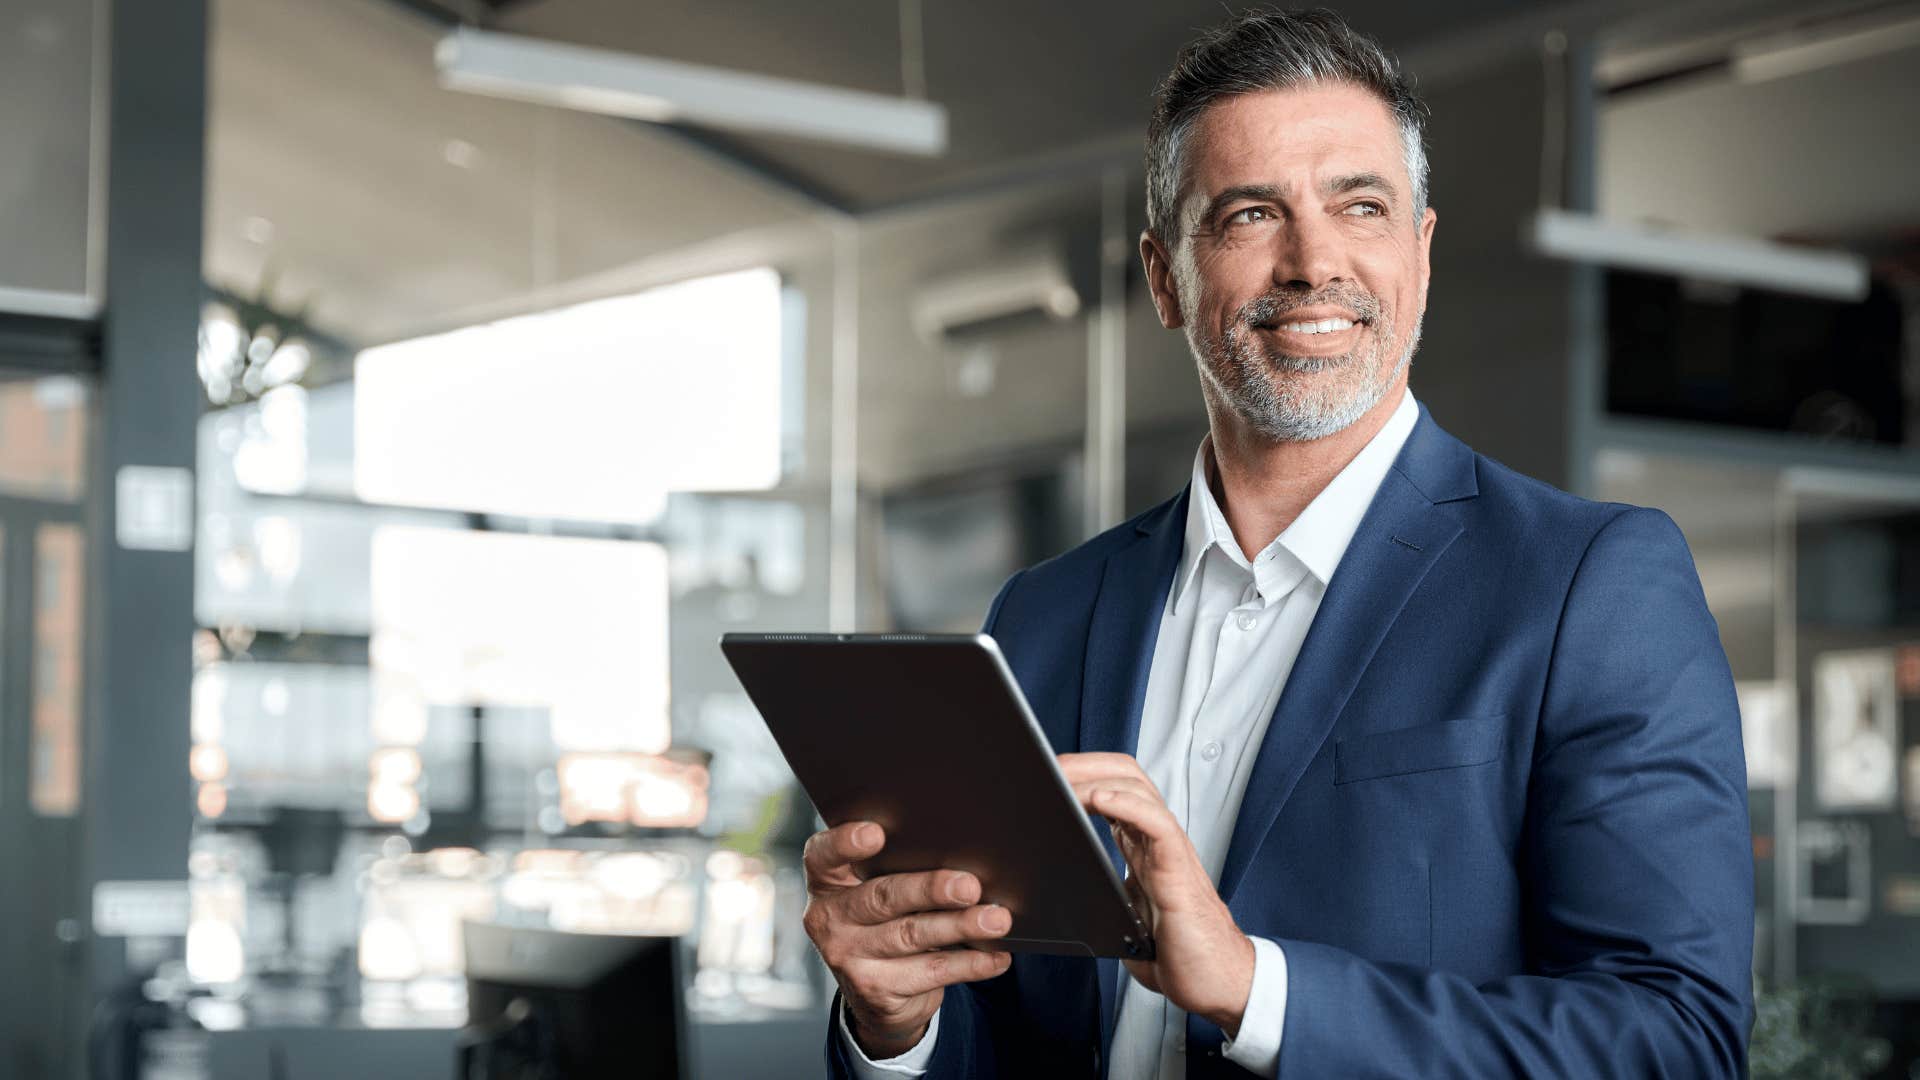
column 1324, row 326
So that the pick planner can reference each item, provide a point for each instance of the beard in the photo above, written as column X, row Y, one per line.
column 1290, row 398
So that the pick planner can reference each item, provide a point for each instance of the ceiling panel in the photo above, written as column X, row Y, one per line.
column 339, row 170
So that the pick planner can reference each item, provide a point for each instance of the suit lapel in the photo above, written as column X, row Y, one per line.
column 1404, row 532
column 1125, row 625
column 1113, row 689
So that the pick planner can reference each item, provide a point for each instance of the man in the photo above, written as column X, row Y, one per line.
column 1423, row 768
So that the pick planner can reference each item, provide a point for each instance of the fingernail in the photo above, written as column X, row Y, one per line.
column 956, row 889
column 867, row 835
column 995, row 919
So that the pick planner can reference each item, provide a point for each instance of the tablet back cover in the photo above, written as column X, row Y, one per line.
column 928, row 736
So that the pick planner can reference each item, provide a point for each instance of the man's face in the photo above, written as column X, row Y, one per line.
column 1294, row 261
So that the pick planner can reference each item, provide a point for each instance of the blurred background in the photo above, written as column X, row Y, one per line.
column 399, row 397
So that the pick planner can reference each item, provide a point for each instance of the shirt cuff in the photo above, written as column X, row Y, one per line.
column 912, row 1063
column 1257, row 1048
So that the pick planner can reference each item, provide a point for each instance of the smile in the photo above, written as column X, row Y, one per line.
column 1322, row 326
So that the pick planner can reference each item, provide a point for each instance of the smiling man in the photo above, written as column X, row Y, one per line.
column 1422, row 767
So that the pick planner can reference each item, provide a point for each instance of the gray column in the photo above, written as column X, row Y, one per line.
column 136, row 793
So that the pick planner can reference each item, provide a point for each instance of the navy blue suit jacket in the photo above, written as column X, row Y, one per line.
column 1498, row 822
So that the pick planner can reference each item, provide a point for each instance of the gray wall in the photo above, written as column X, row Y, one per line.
column 1493, row 365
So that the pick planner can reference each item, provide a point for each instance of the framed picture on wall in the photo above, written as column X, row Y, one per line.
column 1768, row 732
column 1856, row 716
column 1836, row 877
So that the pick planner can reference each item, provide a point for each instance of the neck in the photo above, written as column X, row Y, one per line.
column 1262, row 485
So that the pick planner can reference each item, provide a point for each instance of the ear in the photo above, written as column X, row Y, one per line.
column 1159, row 266
column 1426, row 250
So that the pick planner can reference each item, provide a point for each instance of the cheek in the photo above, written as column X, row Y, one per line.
column 1200, row 300
column 1233, row 265
column 1397, row 280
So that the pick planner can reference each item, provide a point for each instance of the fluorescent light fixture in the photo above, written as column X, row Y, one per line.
column 669, row 91
column 1800, row 52
column 1738, row 260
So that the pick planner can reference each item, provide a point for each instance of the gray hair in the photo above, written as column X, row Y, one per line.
column 1265, row 49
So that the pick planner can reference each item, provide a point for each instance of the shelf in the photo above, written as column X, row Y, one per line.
column 1780, row 450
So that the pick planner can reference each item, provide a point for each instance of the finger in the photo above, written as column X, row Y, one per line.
column 829, row 855
column 1080, row 768
column 1085, row 790
column 916, row 934
column 1090, row 765
column 1162, row 856
column 886, row 898
column 1128, row 805
column 931, row 971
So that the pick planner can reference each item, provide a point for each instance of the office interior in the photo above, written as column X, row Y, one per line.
column 381, row 459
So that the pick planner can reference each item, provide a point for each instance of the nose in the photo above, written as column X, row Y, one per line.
column 1308, row 254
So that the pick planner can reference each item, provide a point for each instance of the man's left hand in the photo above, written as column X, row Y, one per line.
column 1202, row 963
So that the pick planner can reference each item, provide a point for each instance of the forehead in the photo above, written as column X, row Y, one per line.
column 1292, row 136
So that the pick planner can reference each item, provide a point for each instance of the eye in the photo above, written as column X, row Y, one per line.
column 1248, row 216
column 1365, row 209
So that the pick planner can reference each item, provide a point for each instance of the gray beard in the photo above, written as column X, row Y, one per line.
column 1252, row 382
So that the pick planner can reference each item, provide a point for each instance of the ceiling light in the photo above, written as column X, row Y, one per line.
column 670, row 91
column 1799, row 52
column 1739, row 260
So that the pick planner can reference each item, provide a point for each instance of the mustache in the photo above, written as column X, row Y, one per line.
column 1272, row 307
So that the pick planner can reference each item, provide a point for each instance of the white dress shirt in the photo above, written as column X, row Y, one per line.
column 1227, row 642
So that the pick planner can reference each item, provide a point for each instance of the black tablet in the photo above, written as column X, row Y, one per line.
column 929, row 736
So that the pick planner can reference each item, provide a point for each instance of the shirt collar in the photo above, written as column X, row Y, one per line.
column 1317, row 539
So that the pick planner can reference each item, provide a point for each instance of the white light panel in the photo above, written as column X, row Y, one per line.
column 575, row 626
column 592, row 412
column 666, row 91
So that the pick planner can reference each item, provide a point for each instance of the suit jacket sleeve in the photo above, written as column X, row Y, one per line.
column 1635, row 859
column 964, row 1048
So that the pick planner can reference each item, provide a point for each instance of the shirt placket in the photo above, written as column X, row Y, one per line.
column 1212, row 751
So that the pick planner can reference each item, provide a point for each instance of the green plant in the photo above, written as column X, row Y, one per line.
column 1816, row 1029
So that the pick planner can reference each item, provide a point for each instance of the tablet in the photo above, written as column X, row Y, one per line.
column 929, row 736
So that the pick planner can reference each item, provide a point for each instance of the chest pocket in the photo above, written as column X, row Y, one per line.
column 1449, row 744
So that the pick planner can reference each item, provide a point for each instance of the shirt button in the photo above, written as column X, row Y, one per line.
column 1211, row 751
column 1180, row 1045
column 1246, row 620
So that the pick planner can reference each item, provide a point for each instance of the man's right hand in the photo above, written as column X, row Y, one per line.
column 889, row 940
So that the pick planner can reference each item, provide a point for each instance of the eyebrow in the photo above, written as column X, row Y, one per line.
column 1337, row 185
